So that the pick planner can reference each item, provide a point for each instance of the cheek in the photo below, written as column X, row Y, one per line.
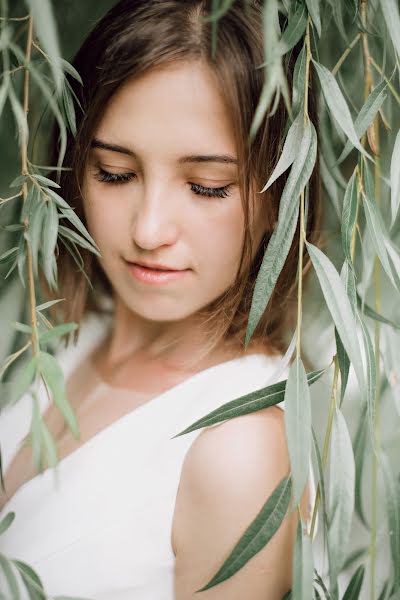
column 221, row 240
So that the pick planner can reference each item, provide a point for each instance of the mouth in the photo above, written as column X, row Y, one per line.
column 154, row 275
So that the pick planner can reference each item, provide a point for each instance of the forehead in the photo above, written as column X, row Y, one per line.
column 172, row 108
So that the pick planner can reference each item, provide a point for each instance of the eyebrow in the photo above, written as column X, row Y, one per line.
column 192, row 158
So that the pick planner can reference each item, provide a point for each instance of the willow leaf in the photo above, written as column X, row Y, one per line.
column 359, row 458
column 6, row 521
column 69, row 213
column 314, row 12
column 340, row 308
column 50, row 446
column 390, row 10
column 371, row 380
column 366, row 116
column 294, row 31
column 378, row 233
column 257, row 535
column 349, row 214
column 282, row 237
column 36, row 223
column 395, row 179
column 49, row 241
column 393, row 512
column 341, row 492
column 370, row 312
column 244, row 405
column 289, row 151
column 77, row 239
column 54, row 377
column 31, row 580
column 353, row 590
column 344, row 365
column 70, row 69
column 299, row 78
column 57, row 331
column 24, row 380
column 46, row 29
column 303, row 566
column 10, row 577
column 337, row 105
column 298, row 426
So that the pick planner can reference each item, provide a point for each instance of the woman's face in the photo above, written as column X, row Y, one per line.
column 173, row 146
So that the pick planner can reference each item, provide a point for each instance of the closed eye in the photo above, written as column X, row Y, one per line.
column 121, row 178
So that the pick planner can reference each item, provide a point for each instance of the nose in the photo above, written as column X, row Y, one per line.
column 154, row 221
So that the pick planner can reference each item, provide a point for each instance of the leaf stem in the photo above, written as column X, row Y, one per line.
column 327, row 438
column 24, row 171
column 390, row 86
column 302, row 230
column 345, row 54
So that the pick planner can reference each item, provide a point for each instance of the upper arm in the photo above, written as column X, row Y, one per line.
column 228, row 474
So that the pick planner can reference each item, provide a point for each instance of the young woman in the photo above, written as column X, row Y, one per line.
column 168, row 187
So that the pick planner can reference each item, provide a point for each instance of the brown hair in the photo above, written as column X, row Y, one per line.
column 135, row 36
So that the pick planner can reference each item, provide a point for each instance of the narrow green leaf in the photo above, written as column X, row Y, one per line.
column 21, row 327
column 340, row 308
column 395, row 179
column 349, row 214
column 289, row 151
column 50, row 446
column 7, row 568
column 48, row 182
column 321, row 484
column 378, row 232
column 70, row 69
column 299, row 78
column 57, row 331
column 24, row 380
column 49, row 241
column 262, row 398
column 78, row 239
column 69, row 109
column 344, row 365
column 70, row 214
column 48, row 304
column 35, row 229
column 19, row 115
column 298, row 427
column 366, row 116
column 393, row 513
column 359, row 457
column 303, row 566
column 46, row 29
column 390, row 10
column 371, row 379
column 18, row 181
column 282, row 237
column 54, row 377
column 370, row 312
column 341, row 492
column 294, row 30
column 337, row 105
column 354, row 588
column 8, row 255
column 219, row 12
column 31, row 580
column 257, row 535
column 6, row 521
column 314, row 12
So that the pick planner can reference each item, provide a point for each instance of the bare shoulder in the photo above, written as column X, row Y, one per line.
column 229, row 472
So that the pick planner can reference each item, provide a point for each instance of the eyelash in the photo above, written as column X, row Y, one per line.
column 121, row 178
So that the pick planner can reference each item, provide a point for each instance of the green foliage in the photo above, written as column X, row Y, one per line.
column 357, row 145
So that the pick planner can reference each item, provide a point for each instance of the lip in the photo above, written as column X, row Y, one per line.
column 152, row 276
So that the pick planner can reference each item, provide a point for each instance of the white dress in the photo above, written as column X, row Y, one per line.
column 102, row 529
